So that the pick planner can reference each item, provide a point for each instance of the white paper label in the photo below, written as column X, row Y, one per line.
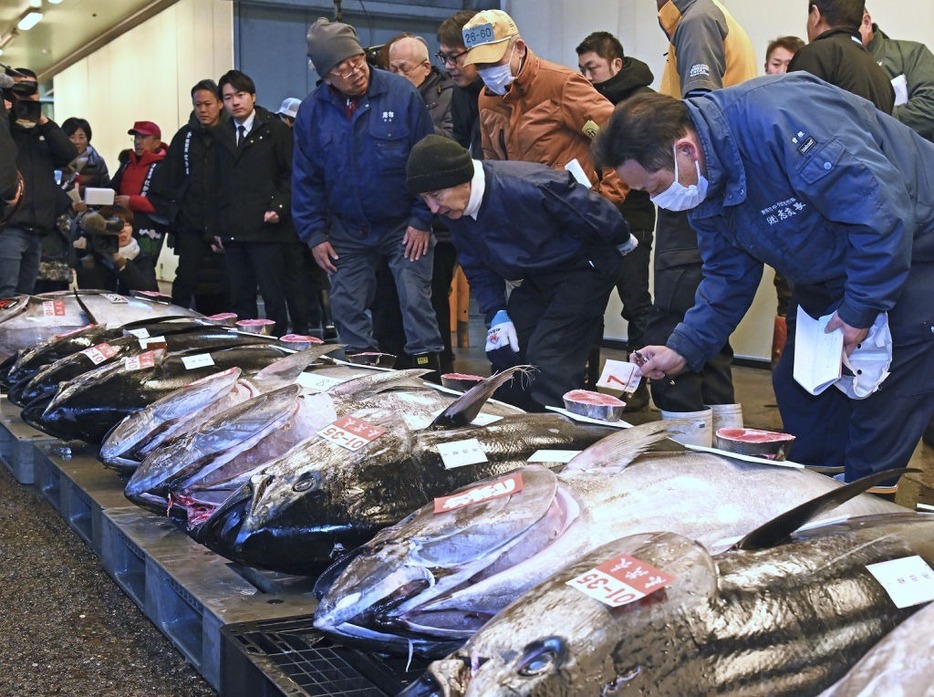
column 139, row 333
column 461, row 453
column 554, row 455
column 485, row 419
column 908, row 581
column 316, row 382
column 619, row 375
column 202, row 360
column 621, row 580
column 116, row 299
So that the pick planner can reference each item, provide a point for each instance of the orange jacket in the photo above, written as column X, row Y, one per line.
column 550, row 114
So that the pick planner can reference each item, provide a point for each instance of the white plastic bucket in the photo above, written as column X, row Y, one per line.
column 700, row 432
column 726, row 416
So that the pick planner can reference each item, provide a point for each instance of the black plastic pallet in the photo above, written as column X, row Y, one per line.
column 292, row 658
column 17, row 441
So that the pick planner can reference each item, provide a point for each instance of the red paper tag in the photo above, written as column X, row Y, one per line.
column 53, row 308
column 140, row 361
column 621, row 580
column 351, row 433
column 100, row 353
column 504, row 486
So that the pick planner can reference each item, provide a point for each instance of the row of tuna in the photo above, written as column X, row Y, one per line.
column 444, row 540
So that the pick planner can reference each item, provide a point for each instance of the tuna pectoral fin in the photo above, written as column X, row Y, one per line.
column 616, row 451
column 465, row 408
column 779, row 528
column 286, row 370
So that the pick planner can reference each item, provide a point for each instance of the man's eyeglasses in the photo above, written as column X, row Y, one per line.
column 449, row 58
column 347, row 68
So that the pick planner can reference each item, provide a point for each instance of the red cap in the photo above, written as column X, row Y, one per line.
column 145, row 128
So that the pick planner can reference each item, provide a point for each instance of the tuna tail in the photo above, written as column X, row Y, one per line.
column 286, row 370
column 781, row 527
column 465, row 408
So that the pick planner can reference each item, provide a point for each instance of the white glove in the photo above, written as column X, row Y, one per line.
column 502, row 333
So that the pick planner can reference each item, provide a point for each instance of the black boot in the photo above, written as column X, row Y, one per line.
column 327, row 321
column 428, row 361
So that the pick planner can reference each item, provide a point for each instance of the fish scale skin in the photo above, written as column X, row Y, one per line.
column 734, row 624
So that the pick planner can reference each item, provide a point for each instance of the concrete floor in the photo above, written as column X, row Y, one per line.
column 68, row 629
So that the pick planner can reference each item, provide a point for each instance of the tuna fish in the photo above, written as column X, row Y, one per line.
column 27, row 320
column 787, row 619
column 23, row 366
column 433, row 579
column 321, row 497
column 900, row 665
column 87, row 407
column 186, row 409
column 196, row 471
column 194, row 338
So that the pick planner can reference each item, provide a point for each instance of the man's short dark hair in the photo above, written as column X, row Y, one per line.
column 450, row 31
column 209, row 85
column 847, row 14
column 643, row 128
column 604, row 44
column 73, row 123
column 241, row 82
column 792, row 44
column 26, row 72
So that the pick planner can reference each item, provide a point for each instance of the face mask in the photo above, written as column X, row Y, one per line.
column 498, row 77
column 678, row 197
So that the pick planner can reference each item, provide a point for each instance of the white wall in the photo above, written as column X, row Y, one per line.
column 553, row 28
column 146, row 75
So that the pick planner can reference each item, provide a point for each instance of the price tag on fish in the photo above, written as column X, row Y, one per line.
column 202, row 360
column 505, row 486
column 142, row 333
column 351, row 433
column 53, row 308
column 100, row 353
column 908, row 581
column 139, row 362
column 619, row 375
column 461, row 453
column 116, row 299
column 621, row 580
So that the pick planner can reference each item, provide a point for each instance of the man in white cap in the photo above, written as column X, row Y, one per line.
column 289, row 110
column 353, row 135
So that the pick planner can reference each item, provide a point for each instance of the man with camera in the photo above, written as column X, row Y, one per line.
column 110, row 257
column 42, row 147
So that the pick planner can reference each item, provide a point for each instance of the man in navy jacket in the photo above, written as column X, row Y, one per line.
column 515, row 221
column 834, row 194
column 349, row 201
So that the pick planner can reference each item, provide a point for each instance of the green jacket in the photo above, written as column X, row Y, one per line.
column 916, row 62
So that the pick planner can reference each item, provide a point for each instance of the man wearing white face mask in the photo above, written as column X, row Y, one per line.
column 534, row 110
column 813, row 181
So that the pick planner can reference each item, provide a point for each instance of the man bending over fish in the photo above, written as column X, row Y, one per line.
column 524, row 221
column 835, row 195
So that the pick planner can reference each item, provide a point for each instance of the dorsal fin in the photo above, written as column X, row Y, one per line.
column 781, row 527
column 465, row 408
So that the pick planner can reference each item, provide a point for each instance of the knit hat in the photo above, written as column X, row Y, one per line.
column 330, row 43
column 436, row 163
column 487, row 35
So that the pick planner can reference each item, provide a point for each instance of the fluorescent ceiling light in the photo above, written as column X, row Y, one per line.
column 37, row 4
column 55, row 2
column 29, row 20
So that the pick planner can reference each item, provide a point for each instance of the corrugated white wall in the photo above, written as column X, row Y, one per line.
column 146, row 75
column 553, row 28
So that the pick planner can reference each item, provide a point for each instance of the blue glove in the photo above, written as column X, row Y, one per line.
column 502, row 342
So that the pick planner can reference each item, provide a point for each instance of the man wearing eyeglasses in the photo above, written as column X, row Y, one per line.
column 465, row 110
column 350, row 202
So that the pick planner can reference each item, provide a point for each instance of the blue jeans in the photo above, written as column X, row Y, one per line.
column 353, row 287
column 20, row 251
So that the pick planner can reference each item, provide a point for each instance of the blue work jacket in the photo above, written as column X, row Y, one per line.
column 820, row 185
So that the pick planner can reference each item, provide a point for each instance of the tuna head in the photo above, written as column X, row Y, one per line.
column 382, row 591
column 315, row 501
column 557, row 640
